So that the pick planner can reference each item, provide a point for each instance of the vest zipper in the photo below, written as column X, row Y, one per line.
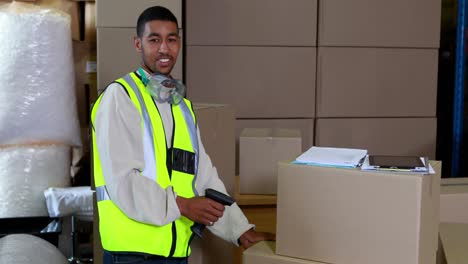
column 189, row 242
column 174, row 229
column 174, row 240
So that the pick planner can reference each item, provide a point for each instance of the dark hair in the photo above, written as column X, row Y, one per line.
column 154, row 13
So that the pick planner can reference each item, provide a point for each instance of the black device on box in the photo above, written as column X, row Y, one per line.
column 396, row 162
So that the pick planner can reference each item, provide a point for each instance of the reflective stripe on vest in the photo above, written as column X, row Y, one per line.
column 193, row 137
column 101, row 193
column 148, row 143
column 120, row 233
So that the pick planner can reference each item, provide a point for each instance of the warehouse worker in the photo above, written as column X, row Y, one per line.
column 150, row 167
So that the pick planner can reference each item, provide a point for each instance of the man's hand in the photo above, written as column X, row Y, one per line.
column 250, row 237
column 200, row 209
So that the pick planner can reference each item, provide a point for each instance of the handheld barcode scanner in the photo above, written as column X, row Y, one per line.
column 219, row 197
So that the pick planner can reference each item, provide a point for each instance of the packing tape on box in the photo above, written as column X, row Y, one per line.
column 26, row 172
column 37, row 90
column 26, row 249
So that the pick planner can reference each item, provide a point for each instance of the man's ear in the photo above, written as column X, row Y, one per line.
column 137, row 43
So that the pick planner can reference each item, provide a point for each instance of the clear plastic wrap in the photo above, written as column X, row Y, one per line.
column 37, row 93
column 27, row 249
column 76, row 201
column 25, row 172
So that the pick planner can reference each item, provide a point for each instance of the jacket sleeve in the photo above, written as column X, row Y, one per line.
column 233, row 223
column 119, row 144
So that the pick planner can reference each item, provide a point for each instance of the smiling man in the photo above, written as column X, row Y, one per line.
column 150, row 166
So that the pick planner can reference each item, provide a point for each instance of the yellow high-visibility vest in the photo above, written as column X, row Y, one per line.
column 120, row 233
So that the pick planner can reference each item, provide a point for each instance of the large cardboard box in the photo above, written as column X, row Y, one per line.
column 217, row 130
column 454, row 200
column 376, row 82
column 349, row 216
column 117, row 56
column 260, row 82
column 124, row 13
column 264, row 253
column 380, row 23
column 252, row 22
column 384, row 136
column 260, row 149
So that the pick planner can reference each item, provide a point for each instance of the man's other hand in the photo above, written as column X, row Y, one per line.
column 200, row 209
column 250, row 237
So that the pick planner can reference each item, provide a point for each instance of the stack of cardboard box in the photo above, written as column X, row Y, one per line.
column 377, row 75
column 259, row 57
column 335, row 215
column 366, row 70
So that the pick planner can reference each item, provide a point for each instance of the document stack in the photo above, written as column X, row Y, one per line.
column 332, row 157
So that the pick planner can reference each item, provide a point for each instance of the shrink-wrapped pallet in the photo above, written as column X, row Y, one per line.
column 37, row 95
column 26, row 172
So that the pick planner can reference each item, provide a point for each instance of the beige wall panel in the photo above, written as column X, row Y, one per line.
column 124, row 13
column 252, row 22
column 260, row 82
column 385, row 136
column 375, row 82
column 380, row 23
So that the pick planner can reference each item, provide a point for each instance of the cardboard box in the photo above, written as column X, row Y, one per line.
column 349, row 216
column 454, row 200
column 380, row 136
column 252, row 22
column 217, row 130
column 264, row 253
column 454, row 237
column 113, row 41
column 260, row 82
column 380, row 23
column 124, row 13
column 210, row 250
column 306, row 126
column 376, row 82
column 260, row 149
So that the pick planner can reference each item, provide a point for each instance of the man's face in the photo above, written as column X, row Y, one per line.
column 159, row 46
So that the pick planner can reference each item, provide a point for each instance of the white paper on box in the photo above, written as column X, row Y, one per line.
column 336, row 157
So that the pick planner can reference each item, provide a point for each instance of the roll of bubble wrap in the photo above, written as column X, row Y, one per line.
column 26, row 172
column 37, row 93
column 26, row 249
